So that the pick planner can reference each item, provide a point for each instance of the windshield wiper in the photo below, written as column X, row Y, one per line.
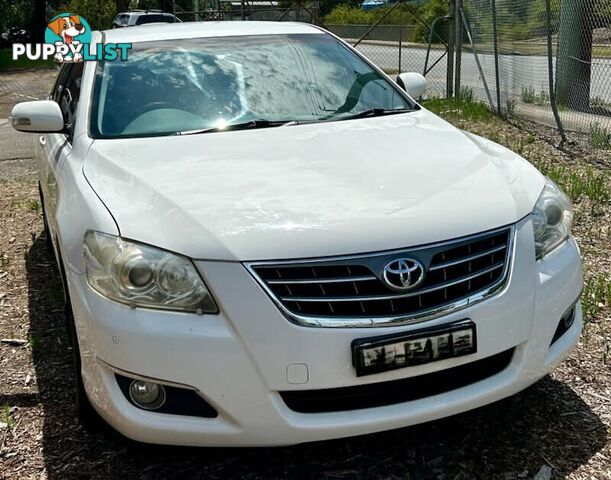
column 251, row 124
column 373, row 112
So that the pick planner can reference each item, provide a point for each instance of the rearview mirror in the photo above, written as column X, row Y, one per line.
column 413, row 83
column 40, row 116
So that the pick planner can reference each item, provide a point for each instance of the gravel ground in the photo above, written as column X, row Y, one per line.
column 558, row 428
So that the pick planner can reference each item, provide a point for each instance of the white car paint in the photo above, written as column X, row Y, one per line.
column 298, row 192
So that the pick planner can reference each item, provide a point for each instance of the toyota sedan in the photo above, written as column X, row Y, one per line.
column 265, row 240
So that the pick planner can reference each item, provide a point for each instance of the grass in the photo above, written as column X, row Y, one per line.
column 580, row 183
column 7, row 62
column 596, row 296
column 599, row 102
column 34, row 206
column 463, row 107
column 5, row 415
column 599, row 137
column 4, row 260
column 529, row 95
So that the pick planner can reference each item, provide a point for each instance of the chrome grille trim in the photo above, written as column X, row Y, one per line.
column 439, row 286
column 469, row 258
column 359, row 281
column 362, row 278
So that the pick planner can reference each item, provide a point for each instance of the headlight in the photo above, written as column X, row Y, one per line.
column 143, row 276
column 552, row 219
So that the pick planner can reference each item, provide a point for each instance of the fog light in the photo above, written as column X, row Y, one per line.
column 147, row 395
column 569, row 318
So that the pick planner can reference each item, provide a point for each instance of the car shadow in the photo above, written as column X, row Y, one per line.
column 548, row 424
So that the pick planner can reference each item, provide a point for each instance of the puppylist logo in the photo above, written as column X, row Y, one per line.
column 68, row 39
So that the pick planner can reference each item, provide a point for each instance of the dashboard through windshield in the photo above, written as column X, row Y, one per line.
column 209, row 84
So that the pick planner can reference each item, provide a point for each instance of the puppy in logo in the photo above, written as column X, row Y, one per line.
column 67, row 28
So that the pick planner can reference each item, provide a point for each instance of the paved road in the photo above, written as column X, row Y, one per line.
column 516, row 71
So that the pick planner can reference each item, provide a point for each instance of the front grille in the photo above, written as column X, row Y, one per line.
column 396, row 391
column 320, row 291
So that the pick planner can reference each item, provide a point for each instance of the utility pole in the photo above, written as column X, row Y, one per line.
column 573, row 69
column 196, row 8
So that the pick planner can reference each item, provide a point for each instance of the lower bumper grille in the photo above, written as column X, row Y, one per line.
column 396, row 391
column 353, row 291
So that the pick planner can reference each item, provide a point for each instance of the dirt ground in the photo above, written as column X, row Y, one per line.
column 558, row 428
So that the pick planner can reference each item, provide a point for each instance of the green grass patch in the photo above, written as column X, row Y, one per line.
column 4, row 260
column 596, row 296
column 528, row 95
column 34, row 206
column 463, row 107
column 599, row 102
column 5, row 415
column 599, row 137
column 578, row 184
column 7, row 62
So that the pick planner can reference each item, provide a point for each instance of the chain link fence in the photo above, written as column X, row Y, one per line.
column 553, row 60
column 390, row 48
column 548, row 61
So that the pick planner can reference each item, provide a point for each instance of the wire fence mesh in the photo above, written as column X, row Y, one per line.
column 388, row 46
column 535, row 56
column 569, row 39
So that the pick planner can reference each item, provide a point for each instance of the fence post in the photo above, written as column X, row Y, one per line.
column 400, row 46
column 458, row 44
column 550, row 71
column 496, row 60
column 450, row 62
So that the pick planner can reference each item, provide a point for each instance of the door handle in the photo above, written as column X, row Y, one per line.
column 42, row 140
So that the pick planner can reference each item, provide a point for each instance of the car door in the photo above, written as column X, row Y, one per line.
column 54, row 148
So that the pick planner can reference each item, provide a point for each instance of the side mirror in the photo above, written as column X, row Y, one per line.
column 40, row 116
column 413, row 83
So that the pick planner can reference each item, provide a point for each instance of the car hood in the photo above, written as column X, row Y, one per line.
column 311, row 190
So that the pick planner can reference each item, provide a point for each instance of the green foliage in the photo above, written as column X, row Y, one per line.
column 459, row 108
column 596, row 295
column 529, row 95
column 5, row 415
column 6, row 61
column 99, row 13
column 599, row 137
column 405, row 14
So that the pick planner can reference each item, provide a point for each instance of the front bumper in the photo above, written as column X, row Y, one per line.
column 241, row 359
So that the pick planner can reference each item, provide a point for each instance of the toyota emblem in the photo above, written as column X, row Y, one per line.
column 403, row 273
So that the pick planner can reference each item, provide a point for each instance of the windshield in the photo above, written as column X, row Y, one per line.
column 168, row 87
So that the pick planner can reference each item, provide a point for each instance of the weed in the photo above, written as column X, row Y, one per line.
column 510, row 107
column 34, row 205
column 529, row 95
column 596, row 295
column 34, row 341
column 458, row 108
column 577, row 184
column 5, row 415
column 599, row 102
column 466, row 94
column 599, row 136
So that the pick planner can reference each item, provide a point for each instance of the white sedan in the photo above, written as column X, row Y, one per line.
column 264, row 240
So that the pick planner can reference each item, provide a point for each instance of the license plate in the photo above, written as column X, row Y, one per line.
column 389, row 352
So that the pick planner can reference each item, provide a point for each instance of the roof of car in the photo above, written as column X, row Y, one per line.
column 175, row 31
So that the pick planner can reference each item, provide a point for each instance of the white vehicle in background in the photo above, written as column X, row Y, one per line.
column 142, row 17
column 264, row 240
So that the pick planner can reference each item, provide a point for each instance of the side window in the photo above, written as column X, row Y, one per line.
column 68, row 95
column 60, row 81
